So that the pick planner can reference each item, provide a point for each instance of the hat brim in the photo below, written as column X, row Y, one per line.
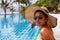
column 29, row 13
column 52, row 21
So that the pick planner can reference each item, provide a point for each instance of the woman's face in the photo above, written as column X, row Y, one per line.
column 40, row 19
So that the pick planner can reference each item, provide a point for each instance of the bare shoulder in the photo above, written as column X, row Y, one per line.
column 47, row 34
column 46, row 30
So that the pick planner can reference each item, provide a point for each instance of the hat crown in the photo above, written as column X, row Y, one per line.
column 45, row 9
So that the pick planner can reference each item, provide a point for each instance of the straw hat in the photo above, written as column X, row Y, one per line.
column 29, row 15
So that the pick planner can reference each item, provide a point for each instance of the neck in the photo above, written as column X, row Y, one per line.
column 44, row 26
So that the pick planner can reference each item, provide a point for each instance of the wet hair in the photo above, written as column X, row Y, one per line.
column 46, row 16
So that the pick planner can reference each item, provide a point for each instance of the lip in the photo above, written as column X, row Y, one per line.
column 38, row 23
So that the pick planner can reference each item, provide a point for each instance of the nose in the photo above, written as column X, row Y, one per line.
column 37, row 20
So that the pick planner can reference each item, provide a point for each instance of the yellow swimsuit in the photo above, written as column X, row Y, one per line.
column 38, row 37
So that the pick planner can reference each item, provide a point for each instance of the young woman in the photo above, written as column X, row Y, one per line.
column 41, row 18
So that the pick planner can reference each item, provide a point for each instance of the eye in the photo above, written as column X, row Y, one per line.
column 37, row 17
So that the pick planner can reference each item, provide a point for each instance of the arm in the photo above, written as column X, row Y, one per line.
column 47, row 34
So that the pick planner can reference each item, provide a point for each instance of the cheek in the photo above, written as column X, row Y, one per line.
column 43, row 21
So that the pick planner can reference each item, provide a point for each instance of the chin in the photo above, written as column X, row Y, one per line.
column 38, row 24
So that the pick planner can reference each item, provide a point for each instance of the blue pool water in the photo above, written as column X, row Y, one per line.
column 17, row 28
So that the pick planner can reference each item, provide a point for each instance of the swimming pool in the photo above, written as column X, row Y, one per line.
column 17, row 28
